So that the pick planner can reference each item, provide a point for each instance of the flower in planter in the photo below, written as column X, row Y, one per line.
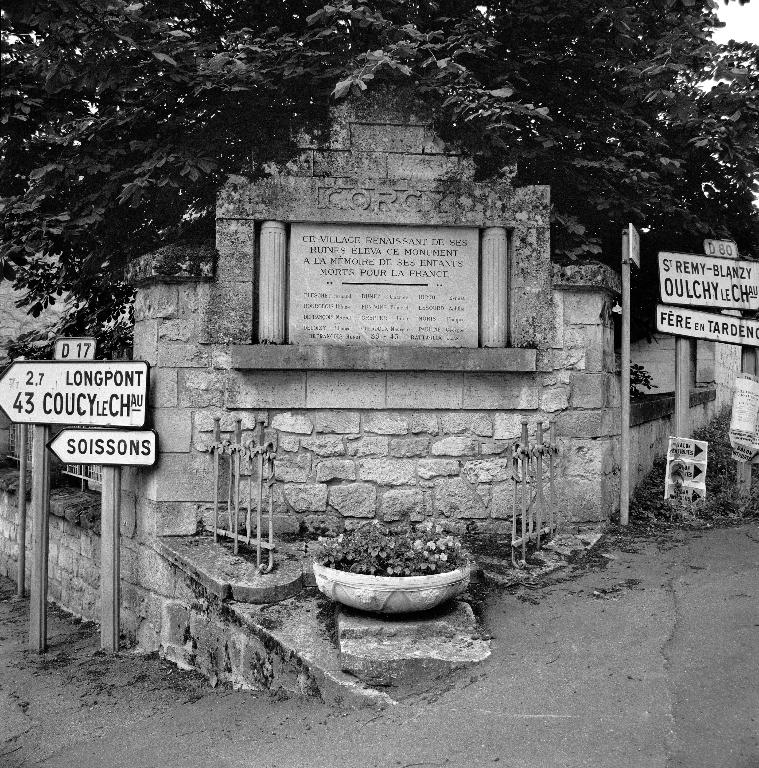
column 376, row 550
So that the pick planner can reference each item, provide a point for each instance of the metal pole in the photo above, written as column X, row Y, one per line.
column 524, row 456
column 539, row 483
column 238, row 448
column 110, row 560
column 749, row 364
column 259, row 499
column 21, row 529
column 40, row 538
column 216, row 460
column 682, row 386
column 624, row 499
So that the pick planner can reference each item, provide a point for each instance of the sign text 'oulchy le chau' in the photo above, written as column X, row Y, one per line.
column 704, row 281
column 98, row 393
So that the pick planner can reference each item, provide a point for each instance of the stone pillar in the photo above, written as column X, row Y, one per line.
column 272, row 274
column 494, row 290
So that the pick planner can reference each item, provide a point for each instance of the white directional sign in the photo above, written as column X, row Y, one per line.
column 707, row 325
column 75, row 348
column 98, row 393
column 105, row 446
column 633, row 240
column 686, row 469
column 725, row 249
column 703, row 281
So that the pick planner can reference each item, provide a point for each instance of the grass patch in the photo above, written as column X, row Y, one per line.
column 721, row 503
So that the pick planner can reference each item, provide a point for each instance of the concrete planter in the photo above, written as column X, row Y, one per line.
column 390, row 594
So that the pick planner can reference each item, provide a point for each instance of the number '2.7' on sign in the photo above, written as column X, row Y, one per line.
column 98, row 393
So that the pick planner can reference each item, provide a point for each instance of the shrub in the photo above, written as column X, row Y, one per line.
column 376, row 550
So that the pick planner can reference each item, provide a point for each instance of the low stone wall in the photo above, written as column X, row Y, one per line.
column 651, row 426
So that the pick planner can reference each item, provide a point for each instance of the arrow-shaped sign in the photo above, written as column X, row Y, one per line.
column 101, row 393
column 105, row 446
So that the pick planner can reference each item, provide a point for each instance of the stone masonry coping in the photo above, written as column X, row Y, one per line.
column 656, row 407
column 337, row 358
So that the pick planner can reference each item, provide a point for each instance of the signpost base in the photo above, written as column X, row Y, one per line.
column 40, row 515
column 23, row 433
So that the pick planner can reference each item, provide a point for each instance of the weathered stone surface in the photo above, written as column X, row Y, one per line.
column 354, row 499
column 453, row 446
column 413, row 446
column 454, row 497
column 368, row 446
column 200, row 389
column 339, row 422
column 398, row 503
column 402, row 649
column 423, row 422
column 489, row 390
column 411, row 389
column 507, row 426
column 385, row 423
column 387, row 471
column 335, row 469
column 588, row 390
column 174, row 429
column 267, row 389
column 324, row 445
column 294, row 468
column 307, row 498
column 292, row 422
column 487, row 470
column 345, row 389
column 480, row 424
column 554, row 399
column 429, row 468
column 289, row 443
column 502, row 500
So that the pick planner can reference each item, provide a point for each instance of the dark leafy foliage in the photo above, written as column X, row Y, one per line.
column 376, row 550
column 121, row 119
column 640, row 377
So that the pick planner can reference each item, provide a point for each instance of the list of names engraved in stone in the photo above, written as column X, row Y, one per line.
column 383, row 285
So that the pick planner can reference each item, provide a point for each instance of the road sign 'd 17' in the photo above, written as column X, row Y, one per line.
column 105, row 446
column 97, row 393
column 75, row 348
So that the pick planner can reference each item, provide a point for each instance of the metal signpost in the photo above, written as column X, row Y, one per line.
column 100, row 393
column 686, row 469
column 112, row 448
column 630, row 254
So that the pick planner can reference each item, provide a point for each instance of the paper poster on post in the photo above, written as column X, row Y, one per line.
column 685, row 479
column 744, row 422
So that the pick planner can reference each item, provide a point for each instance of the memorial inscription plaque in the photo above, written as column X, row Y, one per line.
column 383, row 285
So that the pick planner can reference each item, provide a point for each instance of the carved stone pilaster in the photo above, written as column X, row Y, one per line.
column 494, row 290
column 272, row 277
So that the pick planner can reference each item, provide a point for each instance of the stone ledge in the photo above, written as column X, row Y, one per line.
column 80, row 508
column 336, row 358
column 173, row 264
column 661, row 406
column 589, row 276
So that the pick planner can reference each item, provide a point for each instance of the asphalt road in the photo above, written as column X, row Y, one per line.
column 650, row 662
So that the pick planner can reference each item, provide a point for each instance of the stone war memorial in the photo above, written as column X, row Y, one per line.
column 371, row 337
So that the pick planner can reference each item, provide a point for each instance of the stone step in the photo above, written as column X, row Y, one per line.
column 230, row 576
column 401, row 651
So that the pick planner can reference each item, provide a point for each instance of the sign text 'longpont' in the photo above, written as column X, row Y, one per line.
column 98, row 393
